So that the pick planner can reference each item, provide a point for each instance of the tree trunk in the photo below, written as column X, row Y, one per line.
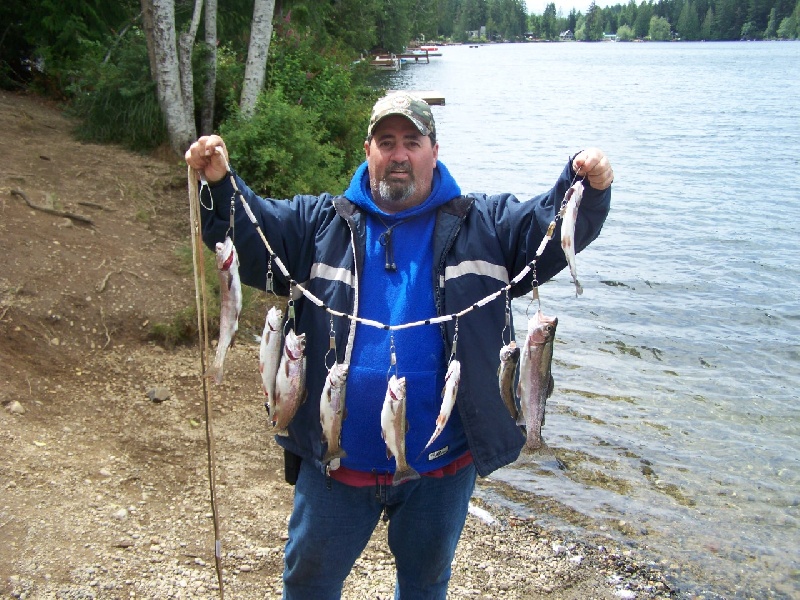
column 207, row 112
column 255, row 70
column 186, row 46
column 160, row 28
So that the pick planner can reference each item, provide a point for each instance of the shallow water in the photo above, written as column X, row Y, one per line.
column 677, row 371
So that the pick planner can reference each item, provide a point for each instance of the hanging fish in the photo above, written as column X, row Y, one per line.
column 332, row 413
column 230, row 304
column 535, row 378
column 393, row 429
column 290, row 382
column 269, row 355
column 449, row 393
column 506, row 372
column 573, row 198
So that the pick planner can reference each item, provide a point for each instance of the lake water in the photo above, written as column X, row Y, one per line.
column 676, row 406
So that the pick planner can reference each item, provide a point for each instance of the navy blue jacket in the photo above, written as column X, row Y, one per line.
column 480, row 243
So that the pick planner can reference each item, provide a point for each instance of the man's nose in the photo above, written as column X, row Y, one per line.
column 399, row 154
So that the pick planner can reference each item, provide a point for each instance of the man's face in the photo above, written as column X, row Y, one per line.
column 401, row 162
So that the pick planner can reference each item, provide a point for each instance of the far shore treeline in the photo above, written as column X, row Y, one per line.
column 302, row 127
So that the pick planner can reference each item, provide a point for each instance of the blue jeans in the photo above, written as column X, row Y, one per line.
column 332, row 523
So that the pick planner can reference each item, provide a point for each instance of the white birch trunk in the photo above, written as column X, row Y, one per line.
column 162, row 47
column 257, row 53
column 207, row 112
column 186, row 46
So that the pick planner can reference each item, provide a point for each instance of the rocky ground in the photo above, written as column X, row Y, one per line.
column 104, row 487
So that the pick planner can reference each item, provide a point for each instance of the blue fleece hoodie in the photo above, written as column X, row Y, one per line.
column 396, row 297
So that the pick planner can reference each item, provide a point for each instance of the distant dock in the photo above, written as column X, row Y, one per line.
column 431, row 97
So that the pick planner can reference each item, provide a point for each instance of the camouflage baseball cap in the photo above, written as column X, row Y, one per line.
column 409, row 106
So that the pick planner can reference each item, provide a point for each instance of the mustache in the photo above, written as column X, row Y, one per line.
column 404, row 166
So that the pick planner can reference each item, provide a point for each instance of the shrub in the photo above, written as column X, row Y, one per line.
column 115, row 100
column 280, row 152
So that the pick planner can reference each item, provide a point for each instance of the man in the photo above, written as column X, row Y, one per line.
column 401, row 245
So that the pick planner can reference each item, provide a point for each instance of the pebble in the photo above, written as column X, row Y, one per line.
column 158, row 394
column 15, row 408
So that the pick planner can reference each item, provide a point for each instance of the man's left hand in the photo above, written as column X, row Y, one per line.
column 593, row 164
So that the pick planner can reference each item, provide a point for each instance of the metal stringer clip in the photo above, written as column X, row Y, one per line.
column 290, row 308
column 392, row 358
column 270, row 285
column 455, row 344
column 230, row 233
column 508, row 321
column 534, row 289
column 331, row 347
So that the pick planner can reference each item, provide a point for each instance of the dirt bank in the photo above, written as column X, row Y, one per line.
column 104, row 490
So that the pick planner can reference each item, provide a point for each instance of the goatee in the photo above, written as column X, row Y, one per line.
column 396, row 192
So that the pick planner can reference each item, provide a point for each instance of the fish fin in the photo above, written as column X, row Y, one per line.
column 408, row 474
column 550, row 385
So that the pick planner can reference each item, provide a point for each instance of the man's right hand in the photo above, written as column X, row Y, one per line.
column 209, row 156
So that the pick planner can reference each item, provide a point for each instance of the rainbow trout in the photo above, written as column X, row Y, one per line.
column 393, row 429
column 573, row 198
column 230, row 304
column 332, row 413
column 535, row 379
column 449, row 393
column 506, row 372
column 290, row 382
column 269, row 355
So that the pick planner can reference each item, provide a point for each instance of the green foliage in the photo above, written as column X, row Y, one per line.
column 45, row 43
column 325, row 82
column 625, row 34
column 115, row 100
column 594, row 23
column 688, row 26
column 659, row 29
column 280, row 152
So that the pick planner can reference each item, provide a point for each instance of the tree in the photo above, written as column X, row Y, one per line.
column 549, row 24
column 625, row 33
column 260, row 36
column 594, row 23
column 659, row 29
column 688, row 26
column 708, row 28
column 209, row 90
column 159, row 25
column 642, row 24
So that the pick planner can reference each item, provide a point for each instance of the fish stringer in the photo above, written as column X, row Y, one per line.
column 455, row 344
column 201, row 301
column 534, row 291
column 507, row 326
column 392, row 359
column 331, row 347
column 270, row 281
column 231, row 222
column 289, row 309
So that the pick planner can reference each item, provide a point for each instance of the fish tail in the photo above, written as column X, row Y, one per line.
column 338, row 453
column 403, row 475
